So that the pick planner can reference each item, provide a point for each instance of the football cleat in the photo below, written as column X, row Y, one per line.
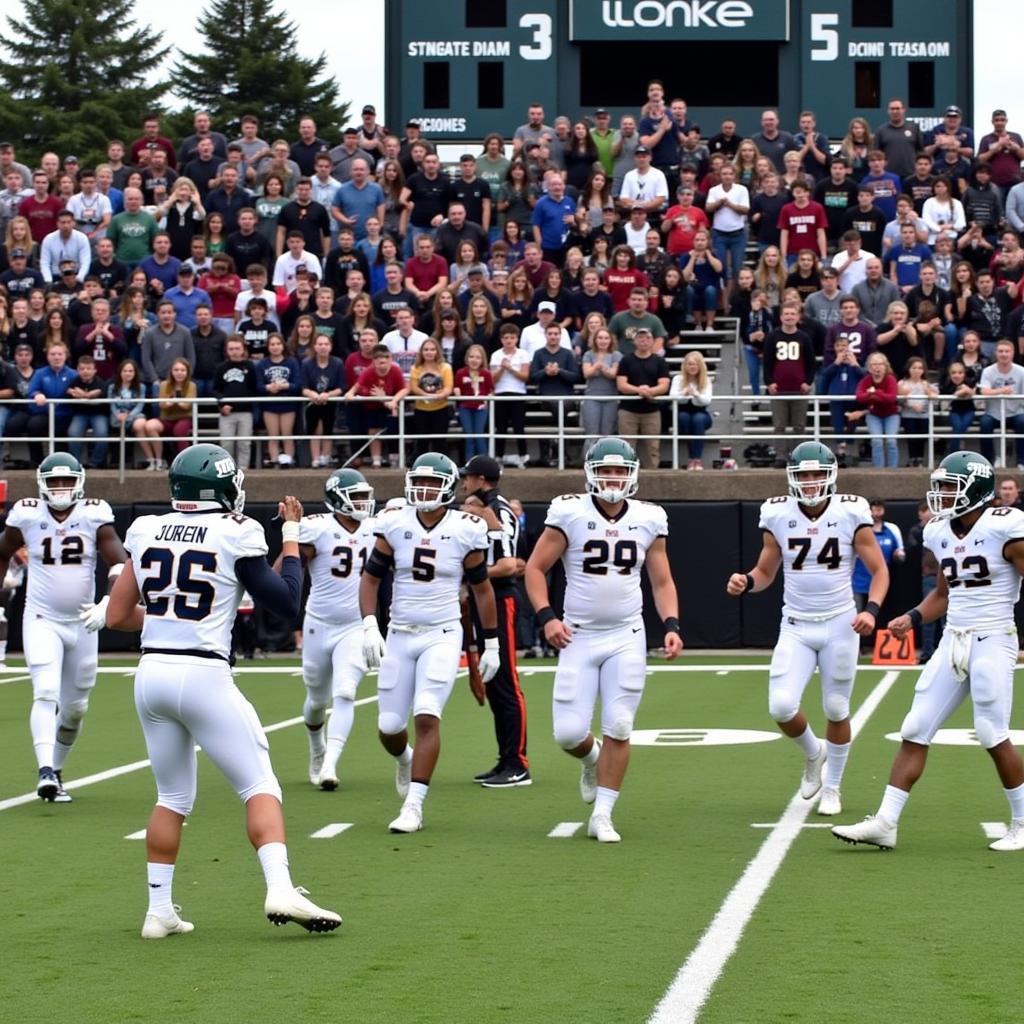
column 156, row 927
column 410, row 819
column 810, row 781
column 490, row 773
column 588, row 778
column 872, row 830
column 600, row 827
column 47, row 787
column 316, row 763
column 284, row 904
column 63, row 796
column 508, row 779
column 830, row 803
column 1013, row 840
column 403, row 776
column 328, row 780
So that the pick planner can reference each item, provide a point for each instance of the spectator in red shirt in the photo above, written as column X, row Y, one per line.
column 382, row 380
column 789, row 367
column 622, row 277
column 682, row 222
column 876, row 392
column 803, row 224
column 426, row 273
column 534, row 265
column 101, row 340
column 223, row 286
column 472, row 381
column 41, row 208
column 150, row 140
column 355, row 363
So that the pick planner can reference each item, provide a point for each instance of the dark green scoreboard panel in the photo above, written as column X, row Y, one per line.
column 467, row 67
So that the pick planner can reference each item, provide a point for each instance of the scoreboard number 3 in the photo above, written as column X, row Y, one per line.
column 540, row 46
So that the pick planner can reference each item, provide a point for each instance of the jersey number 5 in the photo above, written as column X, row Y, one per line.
column 829, row 556
column 423, row 568
column 194, row 597
column 597, row 553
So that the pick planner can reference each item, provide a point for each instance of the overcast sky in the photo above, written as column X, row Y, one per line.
column 351, row 33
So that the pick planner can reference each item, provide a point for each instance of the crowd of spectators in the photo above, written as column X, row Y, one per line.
column 362, row 282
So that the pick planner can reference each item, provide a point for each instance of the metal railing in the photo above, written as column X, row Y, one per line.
column 400, row 434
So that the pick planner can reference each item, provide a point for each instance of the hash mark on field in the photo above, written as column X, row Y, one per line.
column 993, row 829
column 141, row 834
column 134, row 766
column 332, row 830
column 776, row 824
column 565, row 830
column 692, row 985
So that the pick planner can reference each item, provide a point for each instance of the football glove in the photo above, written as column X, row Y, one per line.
column 94, row 616
column 490, row 660
column 373, row 642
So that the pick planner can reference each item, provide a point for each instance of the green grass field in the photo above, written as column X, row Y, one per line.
column 481, row 917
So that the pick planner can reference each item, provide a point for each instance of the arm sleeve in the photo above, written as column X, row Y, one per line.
column 280, row 595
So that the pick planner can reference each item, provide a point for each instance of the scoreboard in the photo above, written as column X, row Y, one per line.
column 464, row 68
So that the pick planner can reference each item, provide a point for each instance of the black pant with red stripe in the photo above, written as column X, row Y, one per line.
column 508, row 705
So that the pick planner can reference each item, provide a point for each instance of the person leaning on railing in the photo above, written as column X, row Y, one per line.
column 176, row 395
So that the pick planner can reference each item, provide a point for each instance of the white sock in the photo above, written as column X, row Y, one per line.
column 417, row 793
column 3, row 650
column 332, row 752
column 316, row 739
column 836, row 753
column 1016, row 798
column 160, row 877
column 605, row 801
column 66, row 738
column 339, row 726
column 591, row 756
column 893, row 802
column 274, row 861
column 808, row 742
column 405, row 757
column 42, row 721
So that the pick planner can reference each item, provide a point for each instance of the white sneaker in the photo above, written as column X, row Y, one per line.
column 283, row 905
column 328, row 779
column 830, row 803
column 403, row 776
column 63, row 796
column 588, row 778
column 410, row 819
column 155, row 927
column 810, row 781
column 1013, row 840
column 316, row 762
column 600, row 827
column 872, row 830
column 284, row 460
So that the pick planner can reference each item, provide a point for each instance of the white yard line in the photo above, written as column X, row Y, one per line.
column 565, row 830
column 134, row 766
column 332, row 830
column 692, row 985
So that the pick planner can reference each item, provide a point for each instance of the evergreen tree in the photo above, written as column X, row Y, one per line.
column 251, row 65
column 75, row 75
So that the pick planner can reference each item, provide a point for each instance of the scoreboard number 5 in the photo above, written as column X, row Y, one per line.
column 825, row 36
column 540, row 46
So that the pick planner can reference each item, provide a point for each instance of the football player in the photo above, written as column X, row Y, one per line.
column 188, row 568
column 604, row 539
column 430, row 547
column 980, row 550
column 335, row 547
column 62, row 531
column 814, row 534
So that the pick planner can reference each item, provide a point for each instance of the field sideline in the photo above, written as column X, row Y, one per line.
column 727, row 901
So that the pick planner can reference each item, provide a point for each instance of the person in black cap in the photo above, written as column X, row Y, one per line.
column 951, row 132
column 480, row 478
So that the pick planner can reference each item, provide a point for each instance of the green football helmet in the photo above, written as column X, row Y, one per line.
column 347, row 493
column 973, row 480
column 812, row 457
column 64, row 467
column 205, row 477
column 431, row 482
column 612, row 453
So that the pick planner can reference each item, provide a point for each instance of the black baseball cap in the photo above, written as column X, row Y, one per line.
column 482, row 465
column 641, row 149
column 369, row 109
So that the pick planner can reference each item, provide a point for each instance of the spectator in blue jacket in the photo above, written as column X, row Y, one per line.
column 278, row 375
column 48, row 384
column 186, row 298
column 841, row 377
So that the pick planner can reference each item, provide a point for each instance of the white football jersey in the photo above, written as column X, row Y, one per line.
column 983, row 585
column 429, row 562
column 817, row 554
column 337, row 565
column 61, row 555
column 184, row 563
column 603, row 557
